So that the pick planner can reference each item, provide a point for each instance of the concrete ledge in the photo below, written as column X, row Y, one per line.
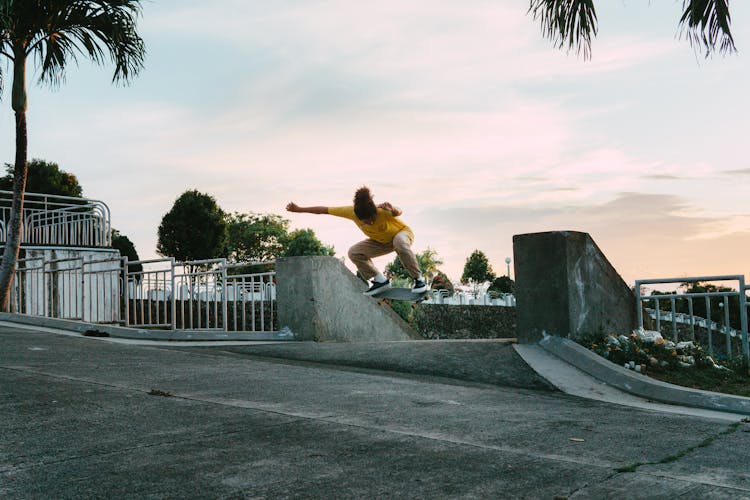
column 320, row 299
column 641, row 385
column 138, row 333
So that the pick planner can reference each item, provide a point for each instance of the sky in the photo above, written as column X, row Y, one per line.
column 458, row 112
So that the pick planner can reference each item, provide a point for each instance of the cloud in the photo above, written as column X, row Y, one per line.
column 643, row 235
column 662, row 177
column 740, row 172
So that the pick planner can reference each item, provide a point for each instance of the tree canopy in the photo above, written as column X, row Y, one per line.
column 477, row 268
column 304, row 242
column 126, row 248
column 256, row 237
column 502, row 284
column 44, row 177
column 195, row 228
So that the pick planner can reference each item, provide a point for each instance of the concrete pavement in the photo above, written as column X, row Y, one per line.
column 87, row 417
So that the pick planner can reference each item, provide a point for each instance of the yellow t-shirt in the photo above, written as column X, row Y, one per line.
column 385, row 227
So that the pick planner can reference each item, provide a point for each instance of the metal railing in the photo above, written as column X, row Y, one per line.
column 200, row 295
column 724, row 328
column 158, row 294
column 69, row 288
column 59, row 220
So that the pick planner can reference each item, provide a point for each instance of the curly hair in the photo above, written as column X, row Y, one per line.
column 364, row 206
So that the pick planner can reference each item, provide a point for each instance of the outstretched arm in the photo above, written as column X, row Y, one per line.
column 293, row 207
column 395, row 211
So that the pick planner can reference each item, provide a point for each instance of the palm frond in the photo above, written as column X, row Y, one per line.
column 567, row 23
column 706, row 25
column 57, row 32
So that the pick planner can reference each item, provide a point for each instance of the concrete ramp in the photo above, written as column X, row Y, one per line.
column 320, row 299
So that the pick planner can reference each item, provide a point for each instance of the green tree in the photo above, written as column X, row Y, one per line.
column 46, row 178
column 572, row 24
column 429, row 263
column 54, row 33
column 442, row 282
column 194, row 229
column 477, row 269
column 126, row 248
column 256, row 237
column 502, row 284
column 304, row 242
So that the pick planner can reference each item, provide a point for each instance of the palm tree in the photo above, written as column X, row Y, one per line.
column 573, row 23
column 54, row 33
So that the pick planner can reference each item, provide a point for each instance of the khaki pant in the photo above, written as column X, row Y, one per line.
column 361, row 255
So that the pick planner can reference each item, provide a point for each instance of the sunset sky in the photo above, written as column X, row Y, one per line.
column 459, row 112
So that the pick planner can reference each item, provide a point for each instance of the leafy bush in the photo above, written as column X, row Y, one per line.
column 653, row 353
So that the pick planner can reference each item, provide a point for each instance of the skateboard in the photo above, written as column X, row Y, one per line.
column 386, row 296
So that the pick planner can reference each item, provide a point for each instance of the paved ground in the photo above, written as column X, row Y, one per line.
column 85, row 418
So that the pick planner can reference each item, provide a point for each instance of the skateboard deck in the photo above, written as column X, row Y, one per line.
column 400, row 294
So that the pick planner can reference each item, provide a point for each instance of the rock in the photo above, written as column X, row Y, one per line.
column 648, row 336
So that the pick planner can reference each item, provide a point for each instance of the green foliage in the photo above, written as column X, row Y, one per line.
column 570, row 23
column 46, row 178
column 303, row 242
column 195, row 228
column 255, row 237
column 429, row 262
column 57, row 32
column 126, row 248
column 477, row 269
column 442, row 282
column 502, row 284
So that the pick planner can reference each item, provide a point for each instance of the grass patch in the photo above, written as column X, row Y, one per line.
column 707, row 379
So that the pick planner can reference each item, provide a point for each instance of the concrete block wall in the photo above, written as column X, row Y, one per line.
column 318, row 298
column 565, row 286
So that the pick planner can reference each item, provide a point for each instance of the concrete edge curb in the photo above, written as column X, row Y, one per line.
column 124, row 332
column 641, row 385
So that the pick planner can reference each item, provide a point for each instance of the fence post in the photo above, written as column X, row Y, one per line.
column 743, row 321
column 125, row 291
column 638, row 305
column 173, row 302
column 224, row 290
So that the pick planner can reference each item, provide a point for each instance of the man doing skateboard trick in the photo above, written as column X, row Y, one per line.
column 385, row 233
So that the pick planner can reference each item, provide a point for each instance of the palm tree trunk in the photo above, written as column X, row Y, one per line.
column 13, row 241
column 13, row 236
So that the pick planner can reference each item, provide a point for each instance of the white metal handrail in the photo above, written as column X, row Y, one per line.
column 59, row 220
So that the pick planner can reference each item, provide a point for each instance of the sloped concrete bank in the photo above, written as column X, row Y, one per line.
column 638, row 384
column 481, row 361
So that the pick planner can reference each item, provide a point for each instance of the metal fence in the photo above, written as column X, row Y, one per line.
column 721, row 337
column 207, row 295
column 68, row 288
column 59, row 220
column 444, row 297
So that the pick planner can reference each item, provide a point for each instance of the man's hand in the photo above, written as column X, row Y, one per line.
column 292, row 207
column 393, row 210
